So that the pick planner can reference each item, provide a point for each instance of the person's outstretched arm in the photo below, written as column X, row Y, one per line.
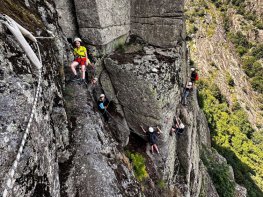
column 159, row 130
column 143, row 129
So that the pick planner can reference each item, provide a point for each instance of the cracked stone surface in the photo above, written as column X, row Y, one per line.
column 160, row 23
column 100, row 22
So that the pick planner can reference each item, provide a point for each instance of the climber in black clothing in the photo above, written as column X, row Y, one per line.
column 152, row 137
column 103, row 103
column 178, row 127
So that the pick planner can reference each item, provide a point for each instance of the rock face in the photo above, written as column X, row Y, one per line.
column 38, row 170
column 100, row 22
column 66, row 17
column 97, row 167
column 158, row 22
column 70, row 150
column 149, row 82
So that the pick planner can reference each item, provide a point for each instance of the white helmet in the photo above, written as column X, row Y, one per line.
column 181, row 126
column 77, row 39
column 150, row 129
column 190, row 83
column 192, row 69
column 102, row 95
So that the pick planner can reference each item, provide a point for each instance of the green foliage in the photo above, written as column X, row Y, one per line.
column 139, row 167
column 200, row 13
column 220, row 175
column 257, row 83
column 233, row 136
column 218, row 3
column 120, row 47
column 241, row 50
column 257, row 52
column 237, row 2
column 161, row 184
column 240, row 42
column 254, row 70
column 226, row 22
column 258, row 24
column 192, row 29
column 230, row 80
column 192, row 62
column 250, row 16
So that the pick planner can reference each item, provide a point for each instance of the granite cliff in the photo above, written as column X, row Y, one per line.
column 142, row 65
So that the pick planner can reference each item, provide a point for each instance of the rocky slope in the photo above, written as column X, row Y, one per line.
column 70, row 150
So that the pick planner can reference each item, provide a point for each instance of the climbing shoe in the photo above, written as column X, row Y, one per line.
column 75, row 78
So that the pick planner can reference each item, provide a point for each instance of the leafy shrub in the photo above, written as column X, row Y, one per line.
column 241, row 50
column 192, row 29
column 230, row 80
column 161, row 184
column 254, row 70
column 257, row 52
column 257, row 83
column 220, row 177
column 217, row 3
column 250, row 16
column 259, row 24
column 238, row 2
column 239, row 39
column 248, row 62
column 139, row 167
column 226, row 22
column 192, row 62
column 201, row 13
column 232, row 135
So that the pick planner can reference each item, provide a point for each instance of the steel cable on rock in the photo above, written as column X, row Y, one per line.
column 11, row 24
column 11, row 180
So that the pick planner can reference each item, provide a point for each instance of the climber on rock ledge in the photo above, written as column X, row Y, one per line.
column 80, row 58
column 152, row 137
column 194, row 75
column 178, row 128
column 103, row 103
column 188, row 88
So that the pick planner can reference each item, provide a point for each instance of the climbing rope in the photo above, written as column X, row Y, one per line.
column 19, row 32
column 11, row 180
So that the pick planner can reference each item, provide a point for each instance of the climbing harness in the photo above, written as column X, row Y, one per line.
column 19, row 32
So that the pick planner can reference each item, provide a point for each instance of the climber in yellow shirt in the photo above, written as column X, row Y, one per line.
column 80, row 58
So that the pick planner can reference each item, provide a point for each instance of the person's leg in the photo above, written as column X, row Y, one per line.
column 83, row 71
column 172, row 131
column 73, row 67
column 106, row 117
column 186, row 93
column 156, row 148
column 152, row 148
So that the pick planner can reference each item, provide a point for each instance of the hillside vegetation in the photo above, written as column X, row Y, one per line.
column 225, row 41
column 233, row 136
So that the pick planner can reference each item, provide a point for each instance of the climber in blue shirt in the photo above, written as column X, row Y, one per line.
column 103, row 103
